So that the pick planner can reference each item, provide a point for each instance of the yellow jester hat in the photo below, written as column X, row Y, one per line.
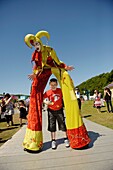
column 30, row 38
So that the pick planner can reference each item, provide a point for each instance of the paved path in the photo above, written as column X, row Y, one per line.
column 99, row 155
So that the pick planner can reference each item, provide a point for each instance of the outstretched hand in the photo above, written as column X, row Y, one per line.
column 69, row 68
column 31, row 77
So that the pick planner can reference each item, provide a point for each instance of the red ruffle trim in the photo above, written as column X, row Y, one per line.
column 78, row 137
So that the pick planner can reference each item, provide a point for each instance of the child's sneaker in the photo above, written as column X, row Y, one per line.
column 53, row 145
column 66, row 141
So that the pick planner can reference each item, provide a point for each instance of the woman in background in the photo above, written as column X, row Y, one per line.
column 23, row 111
column 9, row 109
column 97, row 101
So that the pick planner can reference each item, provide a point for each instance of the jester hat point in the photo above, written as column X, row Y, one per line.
column 30, row 38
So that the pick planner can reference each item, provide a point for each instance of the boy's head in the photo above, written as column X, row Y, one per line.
column 53, row 84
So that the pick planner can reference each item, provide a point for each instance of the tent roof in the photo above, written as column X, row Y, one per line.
column 109, row 85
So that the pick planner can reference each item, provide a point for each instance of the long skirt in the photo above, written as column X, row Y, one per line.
column 33, row 140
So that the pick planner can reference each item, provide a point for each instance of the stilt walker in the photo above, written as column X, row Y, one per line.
column 47, row 63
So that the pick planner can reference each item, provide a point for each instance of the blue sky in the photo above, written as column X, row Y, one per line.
column 81, row 33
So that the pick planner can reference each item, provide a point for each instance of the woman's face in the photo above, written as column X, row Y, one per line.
column 37, row 45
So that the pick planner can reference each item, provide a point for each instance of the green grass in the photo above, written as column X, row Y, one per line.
column 7, row 132
column 91, row 113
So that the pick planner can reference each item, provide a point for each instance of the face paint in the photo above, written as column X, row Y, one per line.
column 37, row 46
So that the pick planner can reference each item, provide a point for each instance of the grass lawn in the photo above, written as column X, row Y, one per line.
column 91, row 113
column 7, row 132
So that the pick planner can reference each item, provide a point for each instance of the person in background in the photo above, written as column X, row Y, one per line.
column 95, row 93
column 77, row 92
column 53, row 99
column 23, row 111
column 97, row 101
column 27, row 101
column 102, row 100
column 3, row 107
column 107, row 98
column 9, row 110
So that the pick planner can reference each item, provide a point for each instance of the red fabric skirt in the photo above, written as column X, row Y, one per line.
column 36, row 99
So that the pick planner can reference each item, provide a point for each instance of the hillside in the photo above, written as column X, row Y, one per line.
column 97, row 82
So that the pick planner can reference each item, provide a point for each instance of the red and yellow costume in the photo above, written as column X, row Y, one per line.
column 47, row 63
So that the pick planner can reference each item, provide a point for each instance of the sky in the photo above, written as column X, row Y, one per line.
column 81, row 33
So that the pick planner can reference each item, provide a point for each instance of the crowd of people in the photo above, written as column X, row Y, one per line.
column 99, row 100
column 7, row 107
column 53, row 100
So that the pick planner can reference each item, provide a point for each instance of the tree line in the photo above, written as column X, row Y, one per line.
column 98, row 82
